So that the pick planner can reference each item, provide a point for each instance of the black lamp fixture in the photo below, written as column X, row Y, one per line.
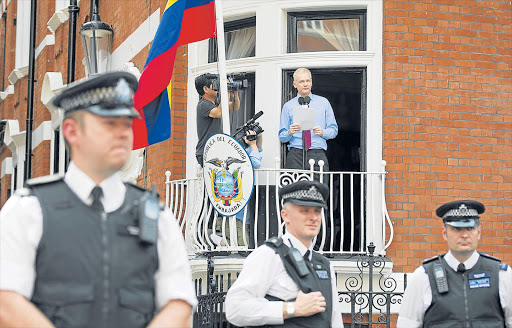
column 97, row 42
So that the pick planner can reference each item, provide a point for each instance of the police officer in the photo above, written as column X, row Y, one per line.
column 462, row 288
column 284, row 282
column 88, row 250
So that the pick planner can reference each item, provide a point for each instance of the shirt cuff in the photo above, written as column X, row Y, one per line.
column 15, row 278
column 407, row 323
column 174, row 288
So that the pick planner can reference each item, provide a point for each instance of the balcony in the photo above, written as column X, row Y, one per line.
column 356, row 213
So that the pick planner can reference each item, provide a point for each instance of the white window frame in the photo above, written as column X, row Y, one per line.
column 272, row 58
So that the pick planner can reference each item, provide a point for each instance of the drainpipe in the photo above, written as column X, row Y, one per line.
column 4, row 43
column 73, row 13
column 30, row 96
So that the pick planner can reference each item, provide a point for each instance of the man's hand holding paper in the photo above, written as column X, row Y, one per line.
column 304, row 117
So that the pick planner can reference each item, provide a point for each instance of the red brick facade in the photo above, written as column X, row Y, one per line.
column 446, row 112
column 447, row 121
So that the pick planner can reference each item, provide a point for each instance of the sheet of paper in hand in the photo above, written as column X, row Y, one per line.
column 305, row 117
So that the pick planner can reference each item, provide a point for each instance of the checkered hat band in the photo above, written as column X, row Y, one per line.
column 93, row 97
column 461, row 212
column 311, row 194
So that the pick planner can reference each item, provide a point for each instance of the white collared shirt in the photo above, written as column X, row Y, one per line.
column 21, row 230
column 418, row 295
column 264, row 273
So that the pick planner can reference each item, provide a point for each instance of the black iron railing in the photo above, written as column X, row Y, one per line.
column 370, row 306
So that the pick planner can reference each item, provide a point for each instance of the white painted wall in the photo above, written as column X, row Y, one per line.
column 22, row 34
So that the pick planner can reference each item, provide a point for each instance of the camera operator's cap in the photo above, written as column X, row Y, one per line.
column 107, row 94
column 461, row 213
column 305, row 193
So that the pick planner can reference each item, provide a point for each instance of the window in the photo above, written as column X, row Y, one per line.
column 237, row 118
column 326, row 31
column 15, row 178
column 239, row 38
column 56, row 150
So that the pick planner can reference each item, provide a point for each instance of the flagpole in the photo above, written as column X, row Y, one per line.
column 221, row 56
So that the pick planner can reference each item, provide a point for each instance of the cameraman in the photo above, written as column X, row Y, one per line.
column 209, row 113
column 254, row 149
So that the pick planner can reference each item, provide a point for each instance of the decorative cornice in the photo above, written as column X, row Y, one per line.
column 6, row 92
column 6, row 166
column 47, row 41
column 57, row 19
column 311, row 60
column 17, row 74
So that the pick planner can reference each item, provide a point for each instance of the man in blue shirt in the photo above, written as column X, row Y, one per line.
column 325, row 127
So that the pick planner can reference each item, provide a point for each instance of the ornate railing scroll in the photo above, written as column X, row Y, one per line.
column 356, row 212
column 370, row 305
column 371, row 294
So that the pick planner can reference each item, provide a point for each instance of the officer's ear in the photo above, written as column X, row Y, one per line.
column 72, row 127
column 284, row 213
column 444, row 233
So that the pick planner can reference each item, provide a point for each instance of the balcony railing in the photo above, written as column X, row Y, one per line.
column 356, row 212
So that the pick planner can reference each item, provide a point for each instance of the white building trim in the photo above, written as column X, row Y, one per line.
column 47, row 41
column 8, row 91
column 58, row 19
column 61, row 4
column 6, row 166
column 17, row 74
column 15, row 140
column 22, row 34
column 42, row 133
column 136, row 42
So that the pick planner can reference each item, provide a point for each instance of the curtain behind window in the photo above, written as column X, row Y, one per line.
column 240, row 43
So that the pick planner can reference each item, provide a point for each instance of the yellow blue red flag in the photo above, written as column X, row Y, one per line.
column 183, row 22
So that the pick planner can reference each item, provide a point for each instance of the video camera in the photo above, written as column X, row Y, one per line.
column 236, row 81
column 250, row 125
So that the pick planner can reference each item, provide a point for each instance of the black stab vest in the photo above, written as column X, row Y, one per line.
column 91, row 272
column 462, row 306
column 310, row 283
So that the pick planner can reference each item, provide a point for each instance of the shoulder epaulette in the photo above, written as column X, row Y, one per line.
column 432, row 259
column 23, row 192
column 44, row 180
column 490, row 257
column 503, row 266
column 275, row 241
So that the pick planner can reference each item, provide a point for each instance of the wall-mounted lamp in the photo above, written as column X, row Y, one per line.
column 97, row 42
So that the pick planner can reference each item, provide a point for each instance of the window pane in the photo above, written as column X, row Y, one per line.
column 238, row 117
column 328, row 35
column 239, row 39
column 240, row 43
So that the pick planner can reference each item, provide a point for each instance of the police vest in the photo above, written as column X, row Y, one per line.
column 91, row 272
column 318, row 280
column 472, row 299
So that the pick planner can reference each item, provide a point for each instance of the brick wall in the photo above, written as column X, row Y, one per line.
column 447, row 121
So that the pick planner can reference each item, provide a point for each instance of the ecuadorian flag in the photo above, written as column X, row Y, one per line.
column 183, row 21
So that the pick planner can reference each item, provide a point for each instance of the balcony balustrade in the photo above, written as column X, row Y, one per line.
column 356, row 213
